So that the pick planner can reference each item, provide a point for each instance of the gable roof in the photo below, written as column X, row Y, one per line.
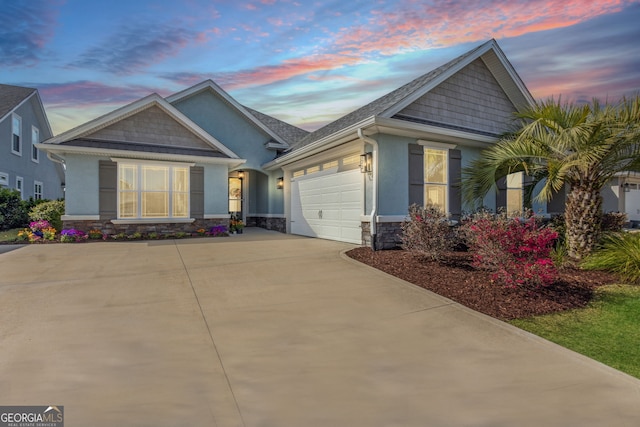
column 129, row 110
column 212, row 86
column 390, row 104
column 12, row 97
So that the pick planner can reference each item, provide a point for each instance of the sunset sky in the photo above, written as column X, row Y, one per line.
column 305, row 62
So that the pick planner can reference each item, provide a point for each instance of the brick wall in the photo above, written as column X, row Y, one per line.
column 276, row 224
column 107, row 227
column 387, row 237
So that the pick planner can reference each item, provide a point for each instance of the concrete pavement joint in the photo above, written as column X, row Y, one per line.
column 215, row 347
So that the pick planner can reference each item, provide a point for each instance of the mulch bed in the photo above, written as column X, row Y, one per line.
column 457, row 279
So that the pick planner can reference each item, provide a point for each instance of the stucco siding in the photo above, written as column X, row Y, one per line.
column 470, row 99
column 152, row 126
column 229, row 126
column 83, row 187
column 276, row 195
column 216, row 190
column 393, row 178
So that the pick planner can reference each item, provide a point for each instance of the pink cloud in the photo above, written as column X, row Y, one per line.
column 286, row 70
column 86, row 93
column 417, row 26
column 420, row 26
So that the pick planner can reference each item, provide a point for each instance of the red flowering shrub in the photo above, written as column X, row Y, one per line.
column 427, row 232
column 517, row 251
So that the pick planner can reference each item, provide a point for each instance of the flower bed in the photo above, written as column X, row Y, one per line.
column 41, row 231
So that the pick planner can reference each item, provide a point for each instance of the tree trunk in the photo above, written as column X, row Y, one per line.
column 583, row 218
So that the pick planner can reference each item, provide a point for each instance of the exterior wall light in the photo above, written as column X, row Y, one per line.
column 240, row 174
column 280, row 183
column 366, row 163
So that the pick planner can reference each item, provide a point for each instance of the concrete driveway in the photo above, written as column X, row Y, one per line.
column 266, row 329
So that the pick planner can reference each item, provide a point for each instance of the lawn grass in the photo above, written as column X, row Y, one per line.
column 9, row 235
column 608, row 330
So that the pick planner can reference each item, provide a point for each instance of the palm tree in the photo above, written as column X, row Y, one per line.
column 558, row 145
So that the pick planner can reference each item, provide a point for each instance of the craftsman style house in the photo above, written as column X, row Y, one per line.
column 189, row 160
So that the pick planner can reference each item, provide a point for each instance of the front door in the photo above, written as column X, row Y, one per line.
column 235, row 197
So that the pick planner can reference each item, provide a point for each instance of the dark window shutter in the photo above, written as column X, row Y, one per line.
column 455, row 178
column 416, row 174
column 501, row 196
column 197, row 192
column 108, row 182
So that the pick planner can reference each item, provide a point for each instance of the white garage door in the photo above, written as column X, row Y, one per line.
column 328, row 206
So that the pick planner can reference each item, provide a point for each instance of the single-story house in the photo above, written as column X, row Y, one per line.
column 190, row 160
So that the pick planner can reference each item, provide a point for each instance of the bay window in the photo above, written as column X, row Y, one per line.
column 152, row 190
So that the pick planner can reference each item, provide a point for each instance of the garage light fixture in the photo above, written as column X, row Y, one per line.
column 240, row 174
column 280, row 183
column 366, row 163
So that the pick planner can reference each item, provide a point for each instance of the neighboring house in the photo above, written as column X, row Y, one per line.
column 190, row 160
column 23, row 167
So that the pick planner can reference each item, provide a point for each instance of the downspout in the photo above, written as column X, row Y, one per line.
column 374, row 199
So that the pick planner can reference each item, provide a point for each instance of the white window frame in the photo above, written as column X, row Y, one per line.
column 15, row 117
column 38, row 190
column 35, row 154
column 4, row 180
column 20, row 186
column 139, row 165
column 514, row 181
column 445, row 185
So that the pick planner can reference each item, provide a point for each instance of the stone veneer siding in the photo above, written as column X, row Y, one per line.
column 277, row 224
column 107, row 227
column 388, row 236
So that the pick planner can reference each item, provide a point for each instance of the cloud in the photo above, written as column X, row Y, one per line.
column 88, row 94
column 412, row 26
column 133, row 49
column 598, row 58
column 27, row 26
column 417, row 25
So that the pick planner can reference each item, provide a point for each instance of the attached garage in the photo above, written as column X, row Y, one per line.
column 328, row 202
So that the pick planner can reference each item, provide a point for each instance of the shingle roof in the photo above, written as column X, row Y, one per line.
column 291, row 134
column 381, row 104
column 11, row 96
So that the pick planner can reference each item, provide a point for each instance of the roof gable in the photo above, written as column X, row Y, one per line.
column 471, row 100
column 122, row 123
column 11, row 97
column 210, row 85
column 392, row 103
column 151, row 125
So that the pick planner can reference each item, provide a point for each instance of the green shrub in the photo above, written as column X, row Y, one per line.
column 427, row 232
column 619, row 253
column 51, row 211
column 12, row 210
